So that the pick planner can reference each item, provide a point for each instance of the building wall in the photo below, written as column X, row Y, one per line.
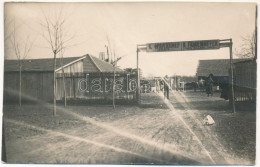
column 36, row 86
column 245, row 74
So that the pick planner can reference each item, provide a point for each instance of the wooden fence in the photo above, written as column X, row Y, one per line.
column 96, row 86
column 245, row 81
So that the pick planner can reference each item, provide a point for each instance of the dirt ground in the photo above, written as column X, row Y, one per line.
column 157, row 132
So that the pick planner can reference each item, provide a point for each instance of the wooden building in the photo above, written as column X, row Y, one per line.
column 37, row 79
column 37, row 76
column 90, row 78
column 218, row 67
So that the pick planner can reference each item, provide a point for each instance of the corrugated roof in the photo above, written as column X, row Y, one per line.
column 218, row 67
column 45, row 64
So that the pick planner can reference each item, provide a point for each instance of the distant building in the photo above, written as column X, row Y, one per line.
column 218, row 67
column 134, row 71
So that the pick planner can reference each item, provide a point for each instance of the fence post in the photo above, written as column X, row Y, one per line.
column 232, row 77
column 138, row 94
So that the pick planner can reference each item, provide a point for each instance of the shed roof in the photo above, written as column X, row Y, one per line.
column 91, row 64
column 218, row 67
column 44, row 65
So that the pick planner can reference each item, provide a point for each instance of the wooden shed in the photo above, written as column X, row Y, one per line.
column 37, row 76
column 218, row 67
column 37, row 79
column 92, row 80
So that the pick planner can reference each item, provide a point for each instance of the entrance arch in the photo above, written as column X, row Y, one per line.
column 186, row 46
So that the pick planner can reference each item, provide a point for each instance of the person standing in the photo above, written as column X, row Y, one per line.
column 166, row 90
column 209, row 87
column 166, row 87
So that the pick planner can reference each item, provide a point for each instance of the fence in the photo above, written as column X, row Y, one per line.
column 245, row 81
column 96, row 86
column 244, row 94
column 99, row 86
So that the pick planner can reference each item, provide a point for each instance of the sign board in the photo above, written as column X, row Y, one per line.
column 183, row 46
column 225, row 44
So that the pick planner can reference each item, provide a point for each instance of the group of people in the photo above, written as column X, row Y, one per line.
column 224, row 86
column 163, row 85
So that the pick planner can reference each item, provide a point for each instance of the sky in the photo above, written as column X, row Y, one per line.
column 127, row 25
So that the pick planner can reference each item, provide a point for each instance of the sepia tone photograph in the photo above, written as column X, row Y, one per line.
column 129, row 83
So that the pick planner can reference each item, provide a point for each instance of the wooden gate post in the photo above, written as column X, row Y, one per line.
column 138, row 95
column 232, row 77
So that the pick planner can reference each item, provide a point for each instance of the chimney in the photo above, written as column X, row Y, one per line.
column 102, row 56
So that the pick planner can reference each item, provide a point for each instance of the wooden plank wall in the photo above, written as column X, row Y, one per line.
column 36, row 86
column 245, row 81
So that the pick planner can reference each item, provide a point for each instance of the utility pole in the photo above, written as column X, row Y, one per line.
column 255, row 41
column 138, row 97
column 138, row 93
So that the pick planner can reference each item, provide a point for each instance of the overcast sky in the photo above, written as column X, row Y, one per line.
column 129, row 24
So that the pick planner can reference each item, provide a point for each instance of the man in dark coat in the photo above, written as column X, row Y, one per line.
column 166, row 87
column 209, row 86
column 224, row 89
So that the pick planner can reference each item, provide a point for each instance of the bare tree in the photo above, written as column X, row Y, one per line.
column 110, row 54
column 113, row 59
column 21, row 50
column 248, row 47
column 54, row 32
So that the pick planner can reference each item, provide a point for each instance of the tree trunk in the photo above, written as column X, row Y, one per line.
column 63, row 80
column 20, row 84
column 114, row 87
column 3, row 142
column 64, row 87
column 54, row 85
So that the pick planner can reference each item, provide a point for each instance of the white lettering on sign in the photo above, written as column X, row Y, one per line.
column 183, row 46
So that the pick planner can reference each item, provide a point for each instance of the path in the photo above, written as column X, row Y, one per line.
column 158, row 132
